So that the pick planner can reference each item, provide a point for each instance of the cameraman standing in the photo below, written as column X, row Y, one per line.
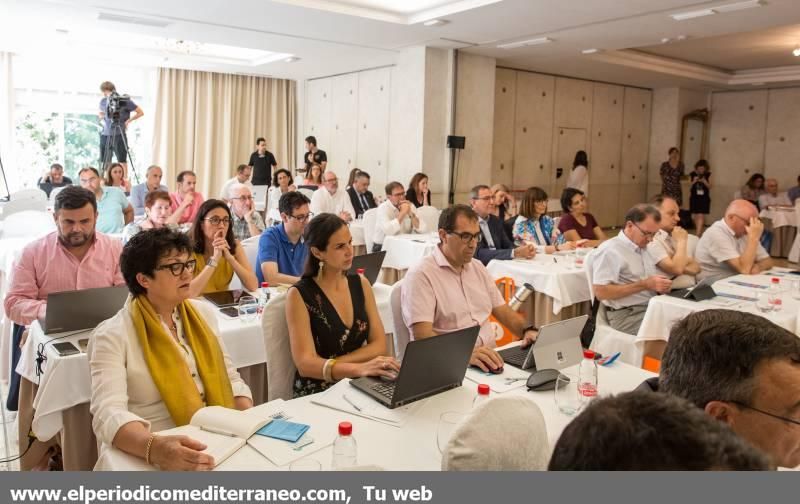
column 114, row 139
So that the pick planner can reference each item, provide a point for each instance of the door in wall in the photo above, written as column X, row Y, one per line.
column 570, row 141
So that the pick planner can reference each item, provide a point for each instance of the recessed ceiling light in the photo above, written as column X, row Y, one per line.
column 681, row 16
column 721, row 9
column 739, row 6
column 436, row 22
column 590, row 51
column 525, row 43
column 796, row 52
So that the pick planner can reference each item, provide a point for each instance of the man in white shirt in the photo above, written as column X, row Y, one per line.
column 624, row 276
column 732, row 244
column 669, row 248
column 329, row 199
column 395, row 216
column 243, row 173
column 772, row 197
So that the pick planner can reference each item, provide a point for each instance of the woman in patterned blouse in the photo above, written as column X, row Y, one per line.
column 335, row 329
column 534, row 226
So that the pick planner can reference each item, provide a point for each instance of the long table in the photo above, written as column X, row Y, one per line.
column 410, row 447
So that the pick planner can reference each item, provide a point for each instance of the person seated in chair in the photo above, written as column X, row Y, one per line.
column 282, row 252
column 669, row 248
column 395, row 216
column 360, row 196
column 494, row 243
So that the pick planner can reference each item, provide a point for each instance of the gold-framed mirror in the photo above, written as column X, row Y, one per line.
column 694, row 137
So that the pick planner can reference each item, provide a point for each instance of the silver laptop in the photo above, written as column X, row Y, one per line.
column 558, row 346
column 82, row 309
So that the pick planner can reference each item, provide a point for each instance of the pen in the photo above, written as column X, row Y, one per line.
column 215, row 431
column 351, row 403
column 555, row 260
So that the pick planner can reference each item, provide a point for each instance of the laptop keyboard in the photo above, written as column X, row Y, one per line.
column 515, row 356
column 384, row 389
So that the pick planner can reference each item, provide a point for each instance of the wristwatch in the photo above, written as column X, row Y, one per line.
column 212, row 263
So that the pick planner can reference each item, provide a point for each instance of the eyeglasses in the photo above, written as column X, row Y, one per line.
column 468, row 237
column 216, row 221
column 485, row 198
column 244, row 198
column 778, row 417
column 647, row 234
column 303, row 217
column 177, row 268
column 398, row 195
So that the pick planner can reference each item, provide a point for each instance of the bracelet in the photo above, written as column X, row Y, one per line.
column 212, row 263
column 147, row 450
column 327, row 370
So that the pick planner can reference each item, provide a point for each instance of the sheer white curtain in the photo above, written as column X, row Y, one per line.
column 6, row 113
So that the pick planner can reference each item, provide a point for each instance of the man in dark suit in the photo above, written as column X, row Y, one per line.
column 360, row 196
column 495, row 244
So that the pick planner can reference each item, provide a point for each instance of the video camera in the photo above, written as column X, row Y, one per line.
column 116, row 102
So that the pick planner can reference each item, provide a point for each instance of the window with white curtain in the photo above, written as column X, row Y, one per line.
column 56, row 121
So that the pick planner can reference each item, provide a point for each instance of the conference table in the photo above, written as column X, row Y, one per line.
column 410, row 447
column 59, row 396
column 357, row 234
column 561, row 289
column 663, row 311
column 404, row 251
column 782, row 222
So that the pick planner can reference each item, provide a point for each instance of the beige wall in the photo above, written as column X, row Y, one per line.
column 540, row 121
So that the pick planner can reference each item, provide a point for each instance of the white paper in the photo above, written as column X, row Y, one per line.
column 499, row 383
column 365, row 405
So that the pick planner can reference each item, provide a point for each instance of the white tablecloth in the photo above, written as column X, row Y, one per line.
column 65, row 381
column 664, row 311
column 412, row 447
column 565, row 285
column 406, row 250
column 357, row 232
column 780, row 216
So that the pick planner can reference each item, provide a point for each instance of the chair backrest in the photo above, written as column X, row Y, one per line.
column 401, row 334
column 54, row 193
column 27, row 223
column 29, row 194
column 691, row 245
column 308, row 193
column 430, row 215
column 250, row 246
column 280, row 365
column 21, row 205
column 587, row 261
column 504, row 434
column 370, row 219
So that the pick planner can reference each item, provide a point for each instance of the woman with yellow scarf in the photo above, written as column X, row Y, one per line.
column 159, row 359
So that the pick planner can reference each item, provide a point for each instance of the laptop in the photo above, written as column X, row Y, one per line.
column 558, row 346
column 699, row 292
column 371, row 263
column 82, row 309
column 224, row 299
column 430, row 366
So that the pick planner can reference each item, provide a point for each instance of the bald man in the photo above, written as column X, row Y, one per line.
column 772, row 197
column 731, row 245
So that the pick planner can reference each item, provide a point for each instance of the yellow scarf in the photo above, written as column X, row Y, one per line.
column 168, row 367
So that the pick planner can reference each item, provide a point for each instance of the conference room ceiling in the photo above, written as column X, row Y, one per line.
column 337, row 36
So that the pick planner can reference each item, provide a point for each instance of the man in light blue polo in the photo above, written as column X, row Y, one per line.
column 114, row 210
column 152, row 183
column 281, row 251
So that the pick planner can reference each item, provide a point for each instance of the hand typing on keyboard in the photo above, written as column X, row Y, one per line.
column 383, row 367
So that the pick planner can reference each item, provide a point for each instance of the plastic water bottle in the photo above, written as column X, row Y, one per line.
column 360, row 272
column 263, row 297
column 483, row 395
column 775, row 294
column 345, row 451
column 587, row 377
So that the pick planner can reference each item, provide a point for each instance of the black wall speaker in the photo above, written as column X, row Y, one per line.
column 456, row 142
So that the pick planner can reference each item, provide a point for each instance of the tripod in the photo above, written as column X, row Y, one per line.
column 7, row 197
column 108, row 148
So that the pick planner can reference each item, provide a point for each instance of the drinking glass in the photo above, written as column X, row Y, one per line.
column 248, row 309
column 580, row 257
column 447, row 426
column 764, row 301
column 795, row 289
column 566, row 394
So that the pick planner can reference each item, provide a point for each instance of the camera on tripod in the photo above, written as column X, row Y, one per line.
column 116, row 102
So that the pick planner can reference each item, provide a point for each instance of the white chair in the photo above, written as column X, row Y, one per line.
column 280, row 365
column 430, row 215
column 35, row 194
column 21, row 205
column 504, row 434
column 794, row 254
column 251, row 250
column 737, row 194
column 308, row 193
column 608, row 340
column 369, row 220
column 54, row 193
column 27, row 223
column 401, row 334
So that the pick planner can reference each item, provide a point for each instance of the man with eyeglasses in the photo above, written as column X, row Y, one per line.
column 451, row 290
column 186, row 201
column 282, row 252
column 742, row 370
column 246, row 221
column 360, row 196
column 243, row 173
column 74, row 257
column 624, row 275
column 732, row 245
column 495, row 243
column 395, row 216
column 329, row 199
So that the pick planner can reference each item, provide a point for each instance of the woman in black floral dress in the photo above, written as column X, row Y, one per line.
column 335, row 329
column 671, row 172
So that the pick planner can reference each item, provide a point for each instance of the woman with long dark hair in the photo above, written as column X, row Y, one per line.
column 671, row 172
column 700, row 197
column 533, row 225
column 335, row 329
column 418, row 193
column 281, row 184
column 115, row 177
column 579, row 176
column 218, row 253
column 754, row 188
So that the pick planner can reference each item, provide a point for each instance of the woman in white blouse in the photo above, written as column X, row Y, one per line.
column 281, row 184
column 579, row 176
column 159, row 360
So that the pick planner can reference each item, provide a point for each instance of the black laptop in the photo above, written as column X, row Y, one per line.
column 82, row 309
column 430, row 366
column 370, row 263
